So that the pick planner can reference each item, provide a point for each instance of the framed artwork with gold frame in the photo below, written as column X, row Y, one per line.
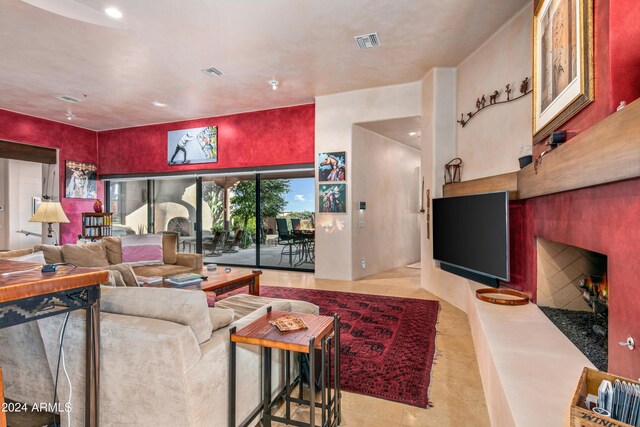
column 562, row 62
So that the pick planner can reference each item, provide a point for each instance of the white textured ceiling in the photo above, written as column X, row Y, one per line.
column 157, row 51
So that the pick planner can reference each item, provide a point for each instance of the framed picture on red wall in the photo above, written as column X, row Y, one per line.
column 80, row 180
column 563, row 81
column 197, row 145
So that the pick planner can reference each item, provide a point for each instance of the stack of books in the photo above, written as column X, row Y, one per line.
column 186, row 279
column 151, row 280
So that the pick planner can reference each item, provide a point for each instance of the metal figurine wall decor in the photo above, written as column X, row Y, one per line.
column 481, row 103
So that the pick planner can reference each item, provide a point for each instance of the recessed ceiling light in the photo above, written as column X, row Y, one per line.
column 70, row 116
column 274, row 84
column 113, row 12
column 413, row 133
column 158, row 104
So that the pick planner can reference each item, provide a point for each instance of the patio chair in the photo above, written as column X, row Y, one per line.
column 214, row 244
column 287, row 240
column 230, row 244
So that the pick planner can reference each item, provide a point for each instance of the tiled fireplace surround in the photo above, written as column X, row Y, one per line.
column 604, row 219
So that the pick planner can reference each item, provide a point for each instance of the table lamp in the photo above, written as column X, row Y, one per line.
column 50, row 212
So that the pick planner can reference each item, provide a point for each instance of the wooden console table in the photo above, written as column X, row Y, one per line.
column 33, row 295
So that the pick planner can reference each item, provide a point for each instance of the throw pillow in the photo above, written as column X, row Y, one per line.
column 15, row 253
column 144, row 249
column 170, row 248
column 125, row 271
column 115, row 279
column 113, row 248
column 88, row 255
column 220, row 317
column 37, row 257
column 52, row 253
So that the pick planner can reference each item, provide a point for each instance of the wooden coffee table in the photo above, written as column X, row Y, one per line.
column 221, row 282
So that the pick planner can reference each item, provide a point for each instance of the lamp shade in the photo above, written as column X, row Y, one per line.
column 49, row 212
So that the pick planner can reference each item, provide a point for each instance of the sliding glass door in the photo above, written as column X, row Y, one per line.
column 252, row 220
column 287, row 206
column 228, row 219
column 129, row 203
column 174, row 210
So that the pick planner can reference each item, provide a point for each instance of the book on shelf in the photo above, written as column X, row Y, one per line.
column 289, row 323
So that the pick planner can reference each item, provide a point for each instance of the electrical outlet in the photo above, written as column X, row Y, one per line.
column 363, row 263
column 361, row 224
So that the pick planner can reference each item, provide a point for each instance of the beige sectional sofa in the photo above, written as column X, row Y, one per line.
column 164, row 358
column 107, row 254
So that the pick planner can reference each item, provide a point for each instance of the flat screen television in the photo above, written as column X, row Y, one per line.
column 471, row 233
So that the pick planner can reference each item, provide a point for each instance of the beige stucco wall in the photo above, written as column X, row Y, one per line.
column 490, row 143
column 335, row 117
column 385, row 176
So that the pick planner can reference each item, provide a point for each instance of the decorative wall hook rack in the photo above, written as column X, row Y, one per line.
column 481, row 103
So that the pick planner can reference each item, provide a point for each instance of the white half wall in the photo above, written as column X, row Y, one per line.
column 384, row 175
column 335, row 116
column 490, row 143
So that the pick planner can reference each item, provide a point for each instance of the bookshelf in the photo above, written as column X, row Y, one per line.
column 96, row 225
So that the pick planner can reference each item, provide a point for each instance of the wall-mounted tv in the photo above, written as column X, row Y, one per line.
column 471, row 233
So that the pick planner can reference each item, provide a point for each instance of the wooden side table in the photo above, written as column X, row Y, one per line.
column 322, row 334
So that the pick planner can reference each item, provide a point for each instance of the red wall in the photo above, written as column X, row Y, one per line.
column 74, row 144
column 264, row 138
column 604, row 219
column 271, row 137
column 616, row 63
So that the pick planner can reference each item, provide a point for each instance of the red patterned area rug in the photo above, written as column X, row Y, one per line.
column 387, row 343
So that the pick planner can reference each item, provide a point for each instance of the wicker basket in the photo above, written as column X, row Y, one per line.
column 589, row 382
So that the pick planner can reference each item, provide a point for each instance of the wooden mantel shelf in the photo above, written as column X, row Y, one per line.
column 607, row 152
column 507, row 181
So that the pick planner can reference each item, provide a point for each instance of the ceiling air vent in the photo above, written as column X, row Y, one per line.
column 367, row 41
column 69, row 99
column 212, row 71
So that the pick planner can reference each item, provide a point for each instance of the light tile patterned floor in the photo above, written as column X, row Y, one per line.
column 456, row 388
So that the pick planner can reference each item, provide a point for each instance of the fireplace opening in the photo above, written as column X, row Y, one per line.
column 573, row 292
